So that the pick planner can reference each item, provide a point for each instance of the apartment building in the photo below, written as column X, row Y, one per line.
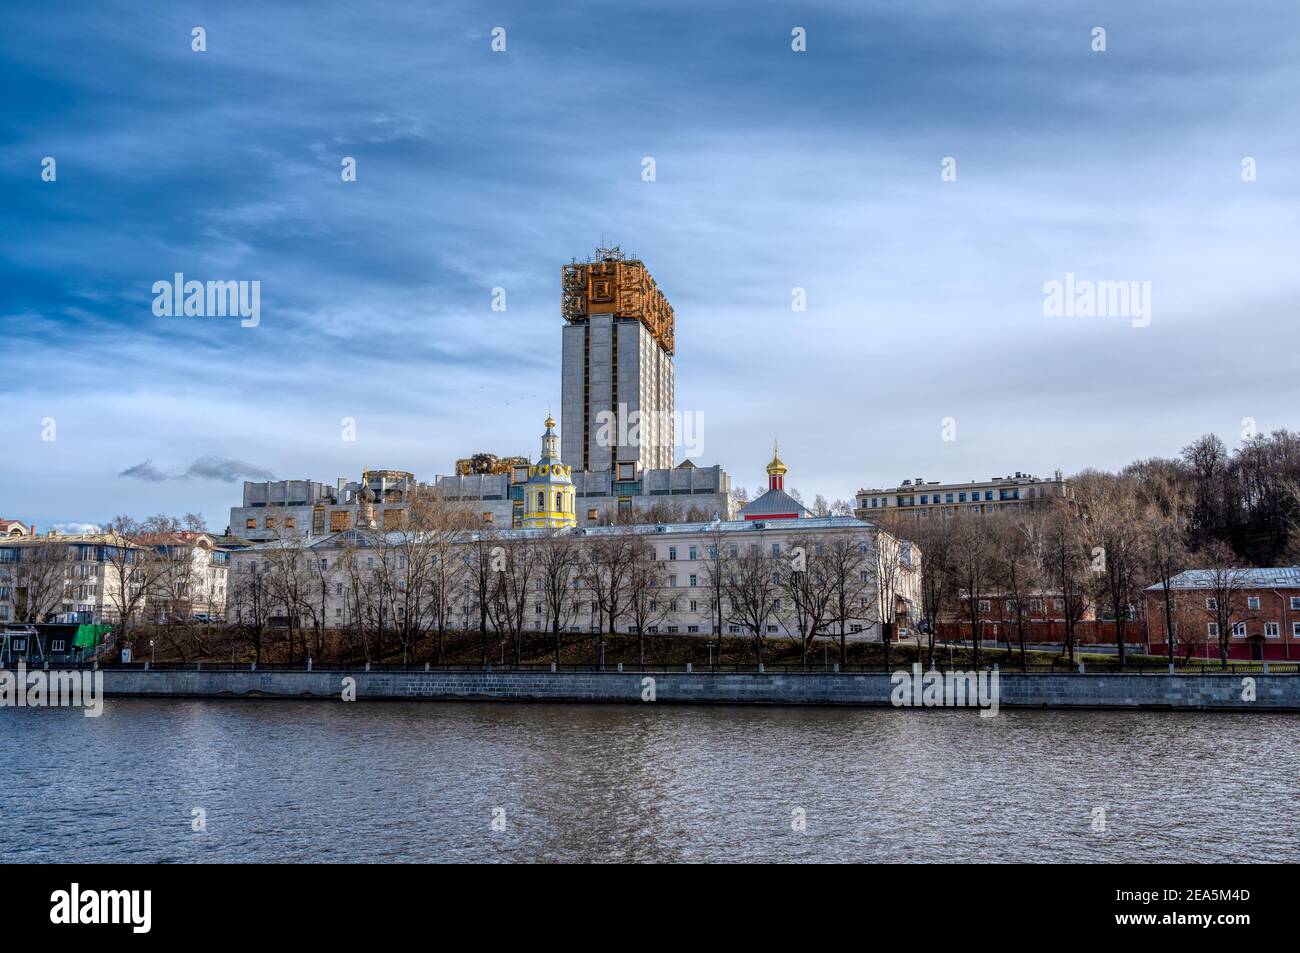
column 79, row 578
column 1264, row 615
column 919, row 498
column 689, row 554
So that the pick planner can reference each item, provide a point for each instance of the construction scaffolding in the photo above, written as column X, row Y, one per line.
column 623, row 287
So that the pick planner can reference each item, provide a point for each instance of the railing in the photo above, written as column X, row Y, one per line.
column 1210, row 668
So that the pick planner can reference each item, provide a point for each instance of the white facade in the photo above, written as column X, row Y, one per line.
column 685, row 553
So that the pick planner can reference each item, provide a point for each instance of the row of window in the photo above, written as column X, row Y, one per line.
column 1272, row 630
column 1252, row 602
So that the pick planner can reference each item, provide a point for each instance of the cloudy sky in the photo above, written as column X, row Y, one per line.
column 774, row 170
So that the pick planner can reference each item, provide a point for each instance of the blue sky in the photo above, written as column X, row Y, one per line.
column 774, row 170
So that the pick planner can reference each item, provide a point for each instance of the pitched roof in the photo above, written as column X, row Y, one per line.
column 1282, row 577
column 773, row 502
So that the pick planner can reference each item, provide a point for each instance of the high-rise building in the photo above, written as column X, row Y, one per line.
column 617, row 402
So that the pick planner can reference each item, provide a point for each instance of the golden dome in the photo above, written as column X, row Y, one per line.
column 776, row 467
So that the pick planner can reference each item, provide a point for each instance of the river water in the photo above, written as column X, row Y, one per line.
column 323, row 782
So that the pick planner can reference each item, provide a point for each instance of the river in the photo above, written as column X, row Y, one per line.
column 327, row 782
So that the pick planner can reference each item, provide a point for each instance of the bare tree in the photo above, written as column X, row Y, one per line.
column 1112, row 525
column 1226, row 582
column 753, row 590
column 250, row 600
column 1064, row 554
column 483, row 554
column 938, row 575
column 1165, row 558
column 970, row 554
column 558, row 570
column 646, row 606
column 805, row 580
column 514, row 588
column 852, row 583
column 1013, row 566
column 40, row 577
column 134, row 565
column 717, row 551
column 604, row 567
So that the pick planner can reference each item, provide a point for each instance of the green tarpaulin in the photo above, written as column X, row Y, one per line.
column 88, row 636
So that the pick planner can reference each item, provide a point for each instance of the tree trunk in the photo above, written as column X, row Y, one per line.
column 1169, row 622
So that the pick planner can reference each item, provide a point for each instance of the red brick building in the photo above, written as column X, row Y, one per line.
column 1045, row 618
column 1264, row 615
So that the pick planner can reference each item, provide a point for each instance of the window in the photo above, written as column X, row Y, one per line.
column 692, row 628
column 855, row 627
column 771, row 628
column 672, row 628
column 1238, row 630
column 59, row 645
column 984, row 605
column 1035, row 605
column 672, row 581
column 1212, row 630
column 1295, row 630
column 1272, row 630
column 961, row 497
column 1252, row 602
column 694, row 580
column 250, row 524
column 694, row 555
column 924, row 499
column 290, row 522
column 1295, row 602
column 541, row 500
column 1211, row 604
column 695, row 606
column 270, row 522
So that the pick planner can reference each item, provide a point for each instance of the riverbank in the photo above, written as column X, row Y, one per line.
column 1200, row 692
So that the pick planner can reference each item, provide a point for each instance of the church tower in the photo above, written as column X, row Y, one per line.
column 775, row 504
column 549, row 492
